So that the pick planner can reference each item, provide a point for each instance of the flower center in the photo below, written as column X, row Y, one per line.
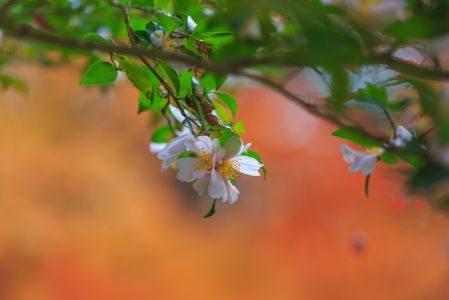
column 228, row 169
column 375, row 150
column 205, row 161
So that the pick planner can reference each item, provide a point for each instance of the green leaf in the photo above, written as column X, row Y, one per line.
column 172, row 75
column 211, row 210
column 373, row 94
column 222, row 112
column 144, row 103
column 94, row 37
column 220, row 79
column 140, row 76
column 367, row 180
column 239, row 127
column 185, row 84
column 207, row 80
column 229, row 101
column 226, row 134
column 7, row 81
column 161, row 135
column 354, row 135
column 168, row 23
column 388, row 158
column 100, row 72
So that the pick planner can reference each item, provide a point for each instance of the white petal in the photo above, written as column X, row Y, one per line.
column 176, row 113
column 175, row 147
column 157, row 147
column 200, row 186
column 186, row 168
column 248, row 165
column 244, row 148
column 349, row 154
column 364, row 164
column 217, row 188
column 403, row 133
column 233, row 192
column 199, row 144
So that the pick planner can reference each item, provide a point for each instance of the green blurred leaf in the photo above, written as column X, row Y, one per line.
column 140, row 76
column 353, row 134
column 373, row 94
column 388, row 158
column 172, row 75
column 229, row 101
column 162, row 134
column 7, row 81
column 99, row 73
column 222, row 112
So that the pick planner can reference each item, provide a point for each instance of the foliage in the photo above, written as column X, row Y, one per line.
column 385, row 60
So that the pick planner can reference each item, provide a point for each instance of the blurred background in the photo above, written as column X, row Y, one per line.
column 87, row 213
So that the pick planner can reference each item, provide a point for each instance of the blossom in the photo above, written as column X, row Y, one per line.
column 401, row 137
column 215, row 167
column 169, row 152
column 361, row 161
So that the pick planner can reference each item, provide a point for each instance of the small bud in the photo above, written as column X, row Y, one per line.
column 203, row 48
column 207, row 107
column 212, row 120
column 198, row 72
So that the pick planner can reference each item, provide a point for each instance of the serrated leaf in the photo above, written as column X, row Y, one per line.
column 99, row 73
column 229, row 101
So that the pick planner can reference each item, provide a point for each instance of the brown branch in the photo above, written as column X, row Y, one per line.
column 148, row 10
column 6, row 6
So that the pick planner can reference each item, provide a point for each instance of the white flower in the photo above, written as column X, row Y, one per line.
column 361, row 161
column 215, row 167
column 191, row 25
column 169, row 152
column 401, row 137
column 157, row 37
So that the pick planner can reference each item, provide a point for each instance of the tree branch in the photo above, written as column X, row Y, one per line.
column 5, row 7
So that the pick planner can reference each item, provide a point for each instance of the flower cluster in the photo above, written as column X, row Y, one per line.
column 211, row 166
column 365, row 161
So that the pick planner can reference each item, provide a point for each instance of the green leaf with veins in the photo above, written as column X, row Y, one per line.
column 99, row 73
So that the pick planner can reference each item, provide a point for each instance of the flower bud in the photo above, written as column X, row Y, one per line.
column 211, row 119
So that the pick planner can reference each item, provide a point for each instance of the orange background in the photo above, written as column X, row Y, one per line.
column 86, row 212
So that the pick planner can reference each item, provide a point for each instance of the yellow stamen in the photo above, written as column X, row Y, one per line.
column 374, row 150
column 205, row 162
column 228, row 169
